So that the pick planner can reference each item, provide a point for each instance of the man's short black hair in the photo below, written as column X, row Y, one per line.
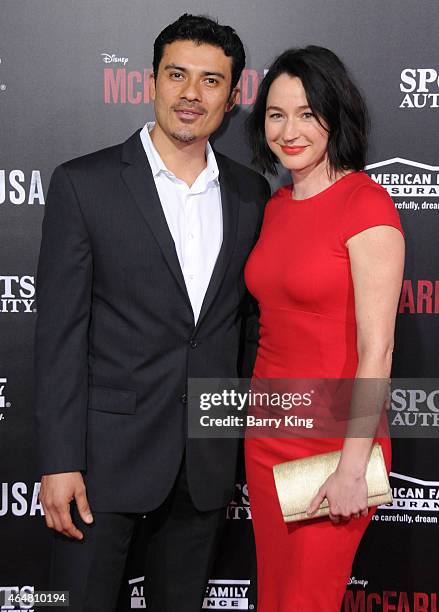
column 332, row 97
column 202, row 30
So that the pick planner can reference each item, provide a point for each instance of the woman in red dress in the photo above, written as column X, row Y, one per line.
column 327, row 273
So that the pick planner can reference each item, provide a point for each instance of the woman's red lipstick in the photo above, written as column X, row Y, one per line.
column 293, row 150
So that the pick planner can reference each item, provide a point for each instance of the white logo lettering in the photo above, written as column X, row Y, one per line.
column 137, row 594
column 415, row 189
column 411, row 495
column 227, row 595
column 19, row 500
column 17, row 294
column 3, row 382
column 19, row 189
column 356, row 581
column 113, row 59
column 421, row 88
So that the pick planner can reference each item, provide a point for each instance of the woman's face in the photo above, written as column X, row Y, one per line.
column 292, row 131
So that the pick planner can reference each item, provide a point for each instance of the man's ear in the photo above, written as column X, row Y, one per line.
column 232, row 99
column 152, row 86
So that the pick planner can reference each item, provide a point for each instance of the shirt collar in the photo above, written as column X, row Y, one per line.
column 210, row 172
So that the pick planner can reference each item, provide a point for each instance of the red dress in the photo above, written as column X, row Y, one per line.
column 299, row 272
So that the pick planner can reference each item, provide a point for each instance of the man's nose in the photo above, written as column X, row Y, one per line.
column 191, row 90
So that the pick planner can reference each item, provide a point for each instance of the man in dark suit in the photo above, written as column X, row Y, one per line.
column 140, row 287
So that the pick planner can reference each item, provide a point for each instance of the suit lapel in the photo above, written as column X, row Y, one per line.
column 230, row 209
column 139, row 180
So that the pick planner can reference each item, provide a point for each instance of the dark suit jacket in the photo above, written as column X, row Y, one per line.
column 115, row 338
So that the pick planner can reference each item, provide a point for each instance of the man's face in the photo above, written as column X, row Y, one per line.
column 191, row 92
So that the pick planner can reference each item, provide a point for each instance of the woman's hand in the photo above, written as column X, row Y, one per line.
column 346, row 494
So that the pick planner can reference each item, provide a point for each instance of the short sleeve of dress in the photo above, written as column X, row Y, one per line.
column 368, row 206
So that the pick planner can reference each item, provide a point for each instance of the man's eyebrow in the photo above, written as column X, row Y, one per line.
column 175, row 67
column 204, row 72
column 213, row 73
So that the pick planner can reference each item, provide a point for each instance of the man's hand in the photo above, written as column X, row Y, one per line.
column 56, row 493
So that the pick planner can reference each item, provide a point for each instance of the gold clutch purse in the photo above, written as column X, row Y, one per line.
column 298, row 481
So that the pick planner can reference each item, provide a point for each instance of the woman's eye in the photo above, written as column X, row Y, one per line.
column 275, row 115
column 308, row 115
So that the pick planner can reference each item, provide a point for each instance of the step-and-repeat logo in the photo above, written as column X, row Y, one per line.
column 17, row 294
column 131, row 86
column 137, row 595
column 420, row 88
column 227, row 595
column 20, row 499
column 18, row 187
column 414, row 186
column 358, row 582
column 419, row 296
column 239, row 507
column 360, row 600
column 415, row 502
column 4, row 402
column 414, row 409
column 14, row 598
column 220, row 594
column 113, row 58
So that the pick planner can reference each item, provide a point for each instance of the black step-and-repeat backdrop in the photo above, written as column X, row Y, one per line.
column 73, row 78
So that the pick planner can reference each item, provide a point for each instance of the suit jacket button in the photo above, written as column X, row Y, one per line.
column 184, row 398
column 193, row 344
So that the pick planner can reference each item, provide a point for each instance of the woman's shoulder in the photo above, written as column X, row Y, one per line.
column 282, row 194
column 361, row 185
column 367, row 205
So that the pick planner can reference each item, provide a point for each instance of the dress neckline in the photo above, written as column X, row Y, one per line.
column 290, row 189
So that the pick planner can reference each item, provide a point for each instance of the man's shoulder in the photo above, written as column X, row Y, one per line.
column 237, row 169
column 102, row 160
column 249, row 182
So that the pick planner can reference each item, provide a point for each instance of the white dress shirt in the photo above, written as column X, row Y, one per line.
column 194, row 217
